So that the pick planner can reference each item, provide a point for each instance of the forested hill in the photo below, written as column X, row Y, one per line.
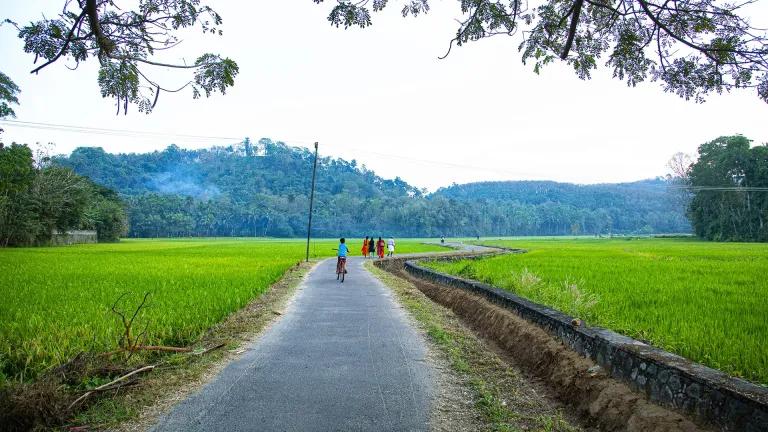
column 233, row 191
column 638, row 207
column 647, row 193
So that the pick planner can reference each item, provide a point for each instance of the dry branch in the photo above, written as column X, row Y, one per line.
column 110, row 385
column 207, row 350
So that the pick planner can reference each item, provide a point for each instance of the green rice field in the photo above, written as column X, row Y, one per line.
column 705, row 301
column 55, row 301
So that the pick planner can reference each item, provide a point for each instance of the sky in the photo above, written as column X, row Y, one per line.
column 381, row 96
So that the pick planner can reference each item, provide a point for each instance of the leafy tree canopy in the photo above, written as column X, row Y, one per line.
column 37, row 198
column 8, row 92
column 125, row 39
column 8, row 96
column 693, row 47
column 730, row 186
column 226, row 191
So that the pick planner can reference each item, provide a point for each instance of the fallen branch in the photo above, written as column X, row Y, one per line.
column 166, row 349
column 116, row 386
column 148, row 348
column 207, row 350
column 161, row 348
column 110, row 385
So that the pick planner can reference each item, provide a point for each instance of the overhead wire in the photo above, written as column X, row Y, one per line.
column 159, row 135
column 107, row 131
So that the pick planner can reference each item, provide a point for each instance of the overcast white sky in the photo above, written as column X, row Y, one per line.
column 381, row 96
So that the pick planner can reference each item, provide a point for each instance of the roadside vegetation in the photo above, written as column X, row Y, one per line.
column 503, row 397
column 38, row 198
column 705, row 301
column 56, row 302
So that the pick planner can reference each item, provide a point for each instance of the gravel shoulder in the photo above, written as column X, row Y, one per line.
column 477, row 388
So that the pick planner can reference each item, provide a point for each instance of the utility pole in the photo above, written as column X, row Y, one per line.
column 311, row 201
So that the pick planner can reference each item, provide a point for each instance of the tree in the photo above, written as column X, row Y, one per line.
column 36, row 199
column 8, row 95
column 17, row 216
column 679, row 165
column 60, row 197
column 693, row 47
column 106, row 214
column 729, row 182
column 224, row 192
column 125, row 41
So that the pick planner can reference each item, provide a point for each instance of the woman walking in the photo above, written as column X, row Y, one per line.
column 365, row 247
column 371, row 246
column 380, row 248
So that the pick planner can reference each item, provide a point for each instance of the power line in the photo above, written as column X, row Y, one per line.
column 519, row 174
column 438, row 163
column 149, row 134
column 720, row 188
column 107, row 131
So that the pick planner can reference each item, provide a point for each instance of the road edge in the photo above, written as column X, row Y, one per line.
column 139, row 409
column 477, row 389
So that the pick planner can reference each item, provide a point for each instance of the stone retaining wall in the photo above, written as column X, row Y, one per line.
column 708, row 395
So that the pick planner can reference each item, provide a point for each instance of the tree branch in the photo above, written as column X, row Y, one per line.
column 149, row 62
column 105, row 44
column 65, row 46
column 572, row 29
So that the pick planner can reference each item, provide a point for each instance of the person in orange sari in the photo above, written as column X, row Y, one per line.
column 380, row 248
column 364, row 250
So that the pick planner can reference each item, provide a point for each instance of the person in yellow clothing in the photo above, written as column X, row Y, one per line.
column 364, row 250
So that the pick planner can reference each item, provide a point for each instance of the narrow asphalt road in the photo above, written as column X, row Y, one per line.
column 342, row 358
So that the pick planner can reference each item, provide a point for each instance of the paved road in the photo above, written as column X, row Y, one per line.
column 342, row 358
column 465, row 247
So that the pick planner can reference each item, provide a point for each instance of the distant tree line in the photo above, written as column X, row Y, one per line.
column 230, row 191
column 729, row 187
column 37, row 198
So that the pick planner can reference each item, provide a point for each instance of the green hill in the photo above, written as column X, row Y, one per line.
column 262, row 189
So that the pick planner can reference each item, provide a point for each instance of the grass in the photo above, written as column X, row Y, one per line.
column 502, row 396
column 55, row 302
column 185, row 374
column 705, row 301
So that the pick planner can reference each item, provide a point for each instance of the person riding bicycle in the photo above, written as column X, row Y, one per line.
column 341, row 255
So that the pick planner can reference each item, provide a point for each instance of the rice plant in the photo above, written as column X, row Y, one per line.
column 705, row 301
column 55, row 302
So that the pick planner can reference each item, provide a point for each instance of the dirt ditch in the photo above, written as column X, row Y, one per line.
column 578, row 382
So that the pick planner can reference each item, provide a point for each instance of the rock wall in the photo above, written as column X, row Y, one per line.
column 708, row 395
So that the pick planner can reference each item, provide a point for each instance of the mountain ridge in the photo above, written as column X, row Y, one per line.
column 263, row 189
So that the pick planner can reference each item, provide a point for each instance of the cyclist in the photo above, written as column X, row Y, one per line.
column 341, row 260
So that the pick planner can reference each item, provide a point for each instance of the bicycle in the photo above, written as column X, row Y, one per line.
column 341, row 267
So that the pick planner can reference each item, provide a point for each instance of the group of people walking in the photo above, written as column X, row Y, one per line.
column 371, row 245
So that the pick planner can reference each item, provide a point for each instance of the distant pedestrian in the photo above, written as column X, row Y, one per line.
column 391, row 247
column 365, row 247
column 371, row 247
column 380, row 248
column 442, row 240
